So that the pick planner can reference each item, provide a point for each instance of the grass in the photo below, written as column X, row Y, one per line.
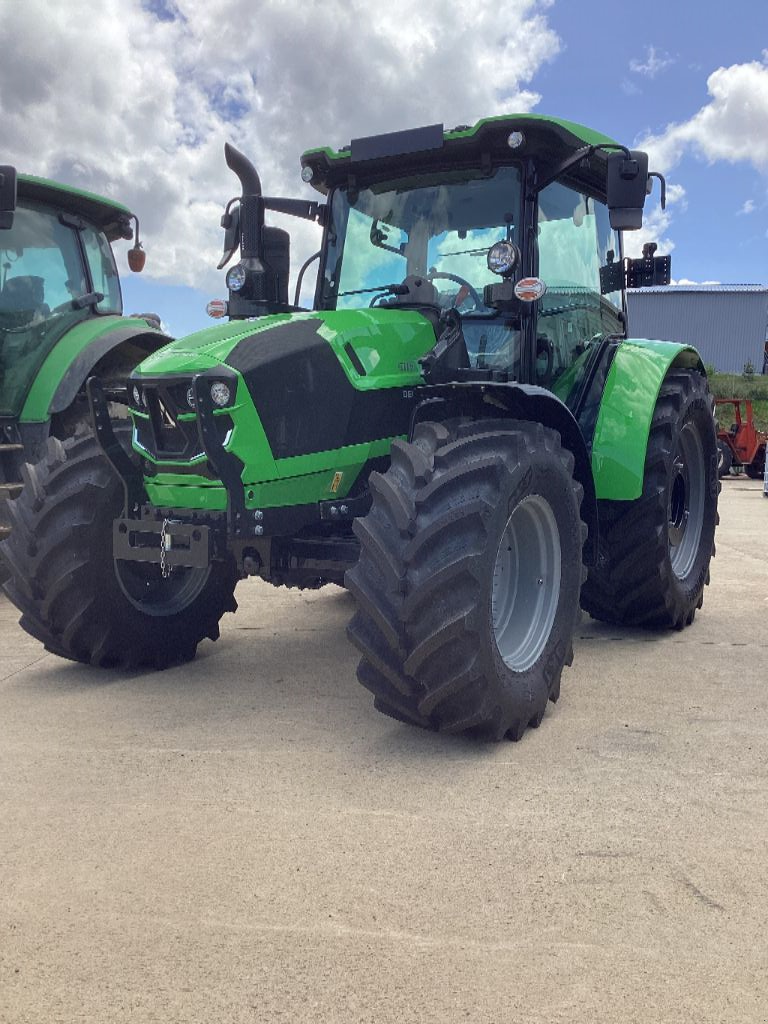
column 736, row 385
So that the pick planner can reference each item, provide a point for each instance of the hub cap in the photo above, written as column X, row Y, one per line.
column 144, row 586
column 686, row 501
column 526, row 583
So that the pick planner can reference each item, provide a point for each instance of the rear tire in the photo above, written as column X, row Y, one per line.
column 655, row 552
column 724, row 459
column 74, row 597
column 756, row 470
column 468, row 582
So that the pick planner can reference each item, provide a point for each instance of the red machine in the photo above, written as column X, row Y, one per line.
column 742, row 444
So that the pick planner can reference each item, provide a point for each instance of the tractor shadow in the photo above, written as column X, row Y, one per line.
column 281, row 670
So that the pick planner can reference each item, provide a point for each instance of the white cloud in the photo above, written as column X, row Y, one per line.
column 748, row 207
column 655, row 61
column 686, row 281
column 137, row 102
column 656, row 223
column 731, row 127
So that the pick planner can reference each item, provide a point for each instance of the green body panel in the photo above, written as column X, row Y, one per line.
column 300, row 482
column 626, row 410
column 67, row 349
column 580, row 131
column 387, row 343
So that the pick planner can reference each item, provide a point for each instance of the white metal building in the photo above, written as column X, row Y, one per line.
column 727, row 323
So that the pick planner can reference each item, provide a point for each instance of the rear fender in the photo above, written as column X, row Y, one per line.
column 520, row 402
column 626, row 410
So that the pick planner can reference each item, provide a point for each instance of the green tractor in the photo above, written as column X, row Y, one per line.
column 60, row 315
column 459, row 431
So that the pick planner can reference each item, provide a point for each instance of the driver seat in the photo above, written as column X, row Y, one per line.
column 24, row 294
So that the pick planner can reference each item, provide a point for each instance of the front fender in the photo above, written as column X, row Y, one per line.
column 71, row 361
column 518, row 401
column 626, row 410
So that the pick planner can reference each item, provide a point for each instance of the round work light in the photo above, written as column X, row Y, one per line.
column 503, row 258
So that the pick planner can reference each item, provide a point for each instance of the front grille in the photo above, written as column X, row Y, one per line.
column 164, row 432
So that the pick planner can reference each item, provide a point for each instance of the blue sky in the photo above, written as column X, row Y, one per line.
column 136, row 99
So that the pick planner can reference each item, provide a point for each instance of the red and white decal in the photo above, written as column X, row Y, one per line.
column 217, row 308
column 529, row 289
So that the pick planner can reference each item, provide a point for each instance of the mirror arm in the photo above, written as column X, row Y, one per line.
column 576, row 158
column 663, row 181
column 294, row 207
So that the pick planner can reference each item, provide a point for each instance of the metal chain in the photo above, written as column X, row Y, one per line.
column 165, row 569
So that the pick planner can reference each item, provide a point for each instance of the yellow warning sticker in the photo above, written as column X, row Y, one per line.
column 336, row 482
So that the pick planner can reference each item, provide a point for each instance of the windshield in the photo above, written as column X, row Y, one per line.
column 41, row 272
column 440, row 230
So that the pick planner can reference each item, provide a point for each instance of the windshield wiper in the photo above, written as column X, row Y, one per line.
column 393, row 289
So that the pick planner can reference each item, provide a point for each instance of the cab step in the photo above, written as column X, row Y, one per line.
column 10, row 491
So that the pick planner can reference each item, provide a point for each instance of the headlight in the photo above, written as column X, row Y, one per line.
column 515, row 140
column 191, row 397
column 220, row 393
column 503, row 258
column 236, row 278
column 136, row 396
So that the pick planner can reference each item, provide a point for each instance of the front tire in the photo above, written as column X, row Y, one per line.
column 655, row 552
column 468, row 582
column 74, row 597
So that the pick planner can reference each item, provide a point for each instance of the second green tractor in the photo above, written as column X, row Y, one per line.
column 458, row 429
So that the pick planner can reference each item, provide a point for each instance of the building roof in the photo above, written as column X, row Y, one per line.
column 672, row 289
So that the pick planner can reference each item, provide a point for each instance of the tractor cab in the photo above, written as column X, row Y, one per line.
column 56, row 270
column 505, row 236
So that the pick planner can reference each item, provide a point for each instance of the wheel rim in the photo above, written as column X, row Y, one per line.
column 526, row 583
column 143, row 585
column 686, row 501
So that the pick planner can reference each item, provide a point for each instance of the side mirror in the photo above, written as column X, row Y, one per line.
column 7, row 196
column 277, row 255
column 626, row 189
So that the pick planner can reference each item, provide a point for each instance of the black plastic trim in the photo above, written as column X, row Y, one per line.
column 526, row 402
column 121, row 462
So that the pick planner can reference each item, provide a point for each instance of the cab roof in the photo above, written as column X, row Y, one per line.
column 111, row 217
column 548, row 140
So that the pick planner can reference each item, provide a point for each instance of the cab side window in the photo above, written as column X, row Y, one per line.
column 575, row 241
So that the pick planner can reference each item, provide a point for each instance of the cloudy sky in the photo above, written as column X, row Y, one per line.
column 135, row 99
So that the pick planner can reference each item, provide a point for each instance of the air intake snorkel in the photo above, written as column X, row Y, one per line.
column 256, row 285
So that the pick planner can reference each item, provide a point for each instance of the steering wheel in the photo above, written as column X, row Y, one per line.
column 466, row 287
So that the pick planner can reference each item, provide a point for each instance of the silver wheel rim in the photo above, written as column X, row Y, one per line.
column 148, row 592
column 526, row 583
column 686, row 501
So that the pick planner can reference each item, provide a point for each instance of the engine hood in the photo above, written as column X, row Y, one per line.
column 377, row 348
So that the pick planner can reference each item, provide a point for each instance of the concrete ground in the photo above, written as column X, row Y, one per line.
column 245, row 839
